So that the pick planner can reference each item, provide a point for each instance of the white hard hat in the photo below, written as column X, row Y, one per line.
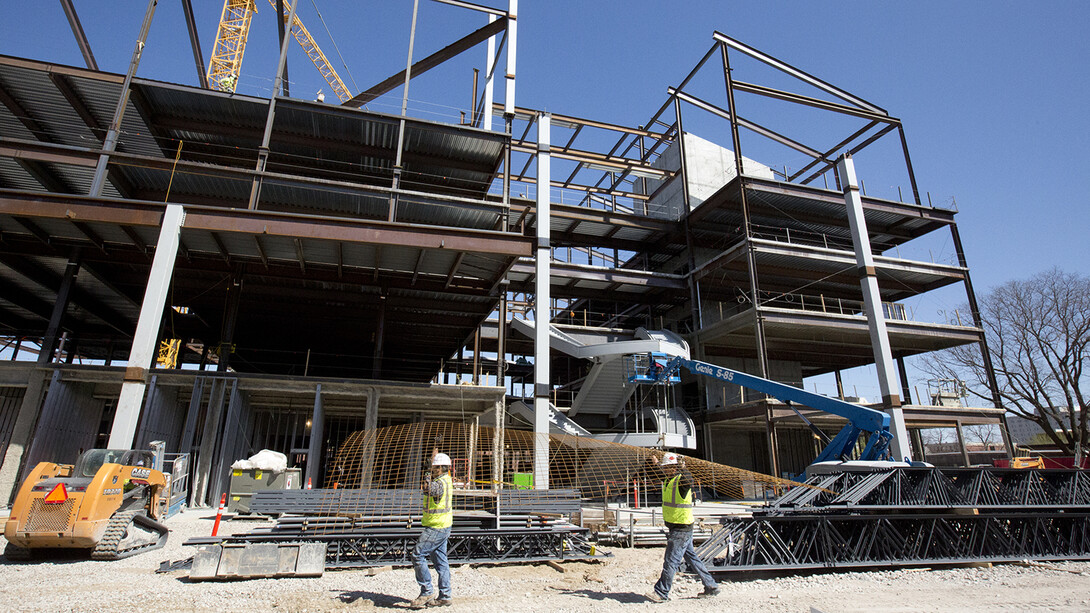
column 440, row 459
column 668, row 459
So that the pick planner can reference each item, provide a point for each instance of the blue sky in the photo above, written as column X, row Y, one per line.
column 992, row 94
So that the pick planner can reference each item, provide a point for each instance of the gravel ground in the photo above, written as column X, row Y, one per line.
column 78, row 584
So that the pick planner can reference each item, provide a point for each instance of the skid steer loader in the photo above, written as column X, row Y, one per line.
column 108, row 502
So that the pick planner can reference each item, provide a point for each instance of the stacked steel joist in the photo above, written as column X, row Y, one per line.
column 911, row 516
column 530, row 526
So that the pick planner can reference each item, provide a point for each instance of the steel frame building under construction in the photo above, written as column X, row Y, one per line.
column 229, row 273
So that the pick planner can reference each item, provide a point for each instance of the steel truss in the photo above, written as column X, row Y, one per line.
column 811, row 541
column 942, row 488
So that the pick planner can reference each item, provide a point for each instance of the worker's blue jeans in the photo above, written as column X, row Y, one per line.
column 679, row 546
column 432, row 545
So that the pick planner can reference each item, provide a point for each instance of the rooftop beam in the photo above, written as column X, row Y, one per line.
column 433, row 60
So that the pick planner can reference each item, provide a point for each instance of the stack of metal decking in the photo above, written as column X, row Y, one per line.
column 531, row 526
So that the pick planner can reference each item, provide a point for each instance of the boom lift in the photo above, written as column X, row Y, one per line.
column 234, row 28
column 658, row 368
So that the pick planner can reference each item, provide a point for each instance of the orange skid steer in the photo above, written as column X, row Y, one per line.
column 108, row 502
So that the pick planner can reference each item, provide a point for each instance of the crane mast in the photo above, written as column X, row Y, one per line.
column 234, row 28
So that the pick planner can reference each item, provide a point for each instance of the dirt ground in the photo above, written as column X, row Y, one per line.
column 73, row 583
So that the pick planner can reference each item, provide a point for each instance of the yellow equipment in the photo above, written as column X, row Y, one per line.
column 226, row 61
column 108, row 502
column 1037, row 462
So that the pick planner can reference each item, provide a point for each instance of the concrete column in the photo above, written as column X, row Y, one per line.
column 145, row 340
column 542, row 315
column 489, row 82
column 317, row 428
column 872, row 301
column 22, row 432
column 370, row 424
column 512, row 31
column 371, row 419
column 497, row 446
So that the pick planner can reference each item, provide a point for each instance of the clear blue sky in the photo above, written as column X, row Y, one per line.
column 992, row 94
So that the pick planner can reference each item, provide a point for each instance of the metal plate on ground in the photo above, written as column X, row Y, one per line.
column 256, row 560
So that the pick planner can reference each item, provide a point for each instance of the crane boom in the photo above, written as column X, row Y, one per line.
column 226, row 62
column 860, row 419
column 314, row 52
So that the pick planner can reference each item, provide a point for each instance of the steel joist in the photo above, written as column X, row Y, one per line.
column 942, row 488
column 807, row 541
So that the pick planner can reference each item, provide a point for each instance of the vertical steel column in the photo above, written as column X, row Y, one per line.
column 60, row 307
column 961, row 443
column 872, row 302
column 978, row 321
column 263, row 150
column 396, row 181
column 317, row 430
column 380, row 333
column 81, row 37
column 110, row 143
column 906, row 393
column 751, row 257
column 542, row 300
column 195, row 43
column 908, row 165
column 501, row 337
column 145, row 340
column 230, row 320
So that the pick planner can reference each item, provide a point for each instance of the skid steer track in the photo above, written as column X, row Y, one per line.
column 129, row 533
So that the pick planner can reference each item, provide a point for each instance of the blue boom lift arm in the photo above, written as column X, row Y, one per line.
column 860, row 419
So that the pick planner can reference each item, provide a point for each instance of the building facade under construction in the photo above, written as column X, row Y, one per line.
column 229, row 273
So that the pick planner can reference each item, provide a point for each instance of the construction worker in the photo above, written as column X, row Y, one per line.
column 432, row 545
column 677, row 512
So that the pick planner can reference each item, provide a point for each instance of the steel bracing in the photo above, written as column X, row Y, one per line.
column 813, row 541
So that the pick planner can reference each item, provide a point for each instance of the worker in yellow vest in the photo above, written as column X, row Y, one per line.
column 677, row 512
column 432, row 545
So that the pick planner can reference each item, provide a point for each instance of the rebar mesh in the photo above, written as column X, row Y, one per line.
column 397, row 458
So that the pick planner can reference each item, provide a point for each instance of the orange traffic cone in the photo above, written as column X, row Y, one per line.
column 219, row 514
column 308, row 483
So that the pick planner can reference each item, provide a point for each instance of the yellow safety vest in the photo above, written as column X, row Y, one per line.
column 437, row 511
column 675, row 508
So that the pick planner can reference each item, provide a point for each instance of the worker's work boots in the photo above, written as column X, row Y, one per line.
column 708, row 592
column 421, row 601
column 440, row 602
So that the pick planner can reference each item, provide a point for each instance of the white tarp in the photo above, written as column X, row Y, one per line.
column 266, row 459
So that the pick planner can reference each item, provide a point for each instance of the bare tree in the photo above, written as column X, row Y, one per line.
column 985, row 434
column 1038, row 333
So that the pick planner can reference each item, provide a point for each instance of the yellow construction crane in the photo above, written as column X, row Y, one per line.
column 226, row 61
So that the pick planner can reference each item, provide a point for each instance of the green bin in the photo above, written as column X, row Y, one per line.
column 523, row 481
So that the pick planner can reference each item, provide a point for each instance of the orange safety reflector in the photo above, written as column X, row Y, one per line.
column 58, row 495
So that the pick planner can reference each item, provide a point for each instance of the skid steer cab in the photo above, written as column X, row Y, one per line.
column 109, row 502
